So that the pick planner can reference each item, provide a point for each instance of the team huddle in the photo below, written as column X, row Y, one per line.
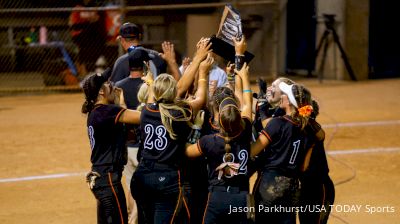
column 188, row 139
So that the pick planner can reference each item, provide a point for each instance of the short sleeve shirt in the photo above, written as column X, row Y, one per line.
column 158, row 146
column 213, row 148
column 107, row 138
column 286, row 151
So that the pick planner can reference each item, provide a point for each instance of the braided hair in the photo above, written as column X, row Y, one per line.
column 230, row 121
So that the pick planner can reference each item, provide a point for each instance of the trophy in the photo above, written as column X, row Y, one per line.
column 230, row 27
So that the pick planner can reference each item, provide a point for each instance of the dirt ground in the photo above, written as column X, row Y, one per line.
column 45, row 153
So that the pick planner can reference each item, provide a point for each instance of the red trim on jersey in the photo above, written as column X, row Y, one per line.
column 119, row 115
column 116, row 198
column 266, row 135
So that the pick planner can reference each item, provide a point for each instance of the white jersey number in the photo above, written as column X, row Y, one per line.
column 296, row 146
column 160, row 142
column 91, row 137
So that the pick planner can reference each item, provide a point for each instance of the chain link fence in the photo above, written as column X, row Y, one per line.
column 53, row 45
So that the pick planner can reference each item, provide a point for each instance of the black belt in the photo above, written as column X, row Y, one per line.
column 229, row 189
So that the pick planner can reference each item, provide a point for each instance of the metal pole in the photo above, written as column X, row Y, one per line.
column 142, row 7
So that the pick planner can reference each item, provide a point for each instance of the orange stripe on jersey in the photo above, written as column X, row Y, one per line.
column 212, row 124
column 179, row 197
column 186, row 207
column 151, row 110
column 284, row 117
column 266, row 135
column 116, row 198
column 198, row 147
column 205, row 210
column 119, row 115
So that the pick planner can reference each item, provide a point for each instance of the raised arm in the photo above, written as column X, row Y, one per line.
column 130, row 117
column 203, row 48
column 202, row 87
column 170, row 58
column 247, row 93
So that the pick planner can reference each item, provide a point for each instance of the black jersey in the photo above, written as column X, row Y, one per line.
column 286, row 151
column 157, row 145
column 107, row 139
column 208, row 126
column 213, row 147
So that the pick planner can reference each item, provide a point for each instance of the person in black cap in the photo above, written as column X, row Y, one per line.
column 108, row 145
column 130, row 86
column 130, row 36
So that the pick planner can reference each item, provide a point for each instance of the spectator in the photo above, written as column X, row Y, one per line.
column 130, row 36
column 89, row 34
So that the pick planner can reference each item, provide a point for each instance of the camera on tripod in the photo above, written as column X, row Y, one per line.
column 329, row 20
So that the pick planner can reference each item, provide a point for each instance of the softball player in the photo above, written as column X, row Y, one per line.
column 157, row 184
column 284, row 141
column 317, row 188
column 107, row 141
column 227, row 154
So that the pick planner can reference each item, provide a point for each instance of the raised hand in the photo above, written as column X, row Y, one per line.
column 169, row 52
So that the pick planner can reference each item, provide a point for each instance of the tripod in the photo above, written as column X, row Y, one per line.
column 329, row 24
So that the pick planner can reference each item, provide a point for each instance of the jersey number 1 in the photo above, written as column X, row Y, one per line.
column 296, row 146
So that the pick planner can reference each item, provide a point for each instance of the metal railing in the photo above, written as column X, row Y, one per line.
column 36, row 43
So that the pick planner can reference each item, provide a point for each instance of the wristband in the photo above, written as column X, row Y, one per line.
column 194, row 136
column 247, row 91
column 202, row 80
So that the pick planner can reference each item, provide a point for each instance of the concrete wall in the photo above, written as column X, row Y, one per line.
column 357, row 29
column 352, row 28
column 198, row 26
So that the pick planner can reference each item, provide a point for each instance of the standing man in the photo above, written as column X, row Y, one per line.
column 130, row 86
column 130, row 36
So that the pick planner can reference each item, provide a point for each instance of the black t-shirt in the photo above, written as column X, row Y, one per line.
column 107, row 139
column 213, row 147
column 158, row 146
column 131, row 87
column 286, row 151
column 121, row 66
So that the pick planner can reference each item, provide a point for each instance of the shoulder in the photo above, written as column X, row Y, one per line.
column 121, row 82
column 122, row 59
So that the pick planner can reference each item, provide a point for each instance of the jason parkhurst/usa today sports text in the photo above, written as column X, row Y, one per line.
column 315, row 208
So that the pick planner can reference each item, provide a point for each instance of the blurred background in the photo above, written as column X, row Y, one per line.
column 39, row 47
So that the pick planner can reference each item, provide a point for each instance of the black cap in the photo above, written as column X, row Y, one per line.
column 136, row 58
column 129, row 30
column 93, row 83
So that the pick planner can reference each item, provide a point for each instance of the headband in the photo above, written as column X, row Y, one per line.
column 287, row 89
